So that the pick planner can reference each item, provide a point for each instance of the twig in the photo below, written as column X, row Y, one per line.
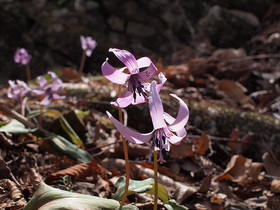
column 17, row 116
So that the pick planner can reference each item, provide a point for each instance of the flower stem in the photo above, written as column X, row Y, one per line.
column 83, row 59
column 28, row 72
column 125, row 155
column 41, row 115
column 155, row 180
column 21, row 105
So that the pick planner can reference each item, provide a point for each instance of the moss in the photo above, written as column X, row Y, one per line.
column 221, row 121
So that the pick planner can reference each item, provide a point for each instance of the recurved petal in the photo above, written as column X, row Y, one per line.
column 156, row 108
column 43, row 82
column 56, row 82
column 175, row 139
column 130, row 134
column 125, row 99
column 38, row 92
column 46, row 100
column 182, row 116
column 57, row 97
column 127, row 58
column 150, row 70
column 113, row 74
column 169, row 119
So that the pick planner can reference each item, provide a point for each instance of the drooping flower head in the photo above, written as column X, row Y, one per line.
column 17, row 90
column 88, row 44
column 49, row 90
column 21, row 56
column 134, row 79
column 166, row 128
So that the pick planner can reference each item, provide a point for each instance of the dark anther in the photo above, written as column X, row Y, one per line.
column 163, row 138
column 157, row 142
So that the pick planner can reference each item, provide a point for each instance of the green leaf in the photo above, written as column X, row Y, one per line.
column 69, row 130
column 47, row 197
column 80, row 112
column 69, row 149
column 143, row 186
column 15, row 127
column 172, row 205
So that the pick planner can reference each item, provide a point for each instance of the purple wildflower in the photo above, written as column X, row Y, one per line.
column 17, row 90
column 49, row 90
column 88, row 44
column 137, row 87
column 166, row 128
column 21, row 56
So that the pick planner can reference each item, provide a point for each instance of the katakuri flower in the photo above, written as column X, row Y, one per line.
column 17, row 90
column 166, row 128
column 88, row 44
column 137, row 87
column 21, row 56
column 49, row 90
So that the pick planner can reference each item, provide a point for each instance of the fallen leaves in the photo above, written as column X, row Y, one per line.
column 240, row 170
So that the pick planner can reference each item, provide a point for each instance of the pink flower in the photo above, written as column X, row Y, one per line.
column 49, row 90
column 166, row 128
column 21, row 56
column 88, row 44
column 137, row 87
column 17, row 89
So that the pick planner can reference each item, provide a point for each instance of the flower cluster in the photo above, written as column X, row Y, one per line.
column 166, row 128
column 17, row 90
column 88, row 44
column 49, row 90
column 21, row 56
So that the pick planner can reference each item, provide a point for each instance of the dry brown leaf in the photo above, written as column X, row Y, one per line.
column 69, row 74
column 271, row 167
column 181, row 151
column 254, row 170
column 241, row 145
column 275, row 186
column 79, row 171
column 218, row 198
column 15, row 193
column 205, row 184
column 201, row 144
column 237, row 168
column 183, row 192
column 232, row 92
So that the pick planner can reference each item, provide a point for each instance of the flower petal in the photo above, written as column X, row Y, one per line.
column 56, row 96
column 182, row 116
column 150, row 71
column 43, row 82
column 56, row 82
column 113, row 74
column 169, row 119
column 175, row 139
column 125, row 99
column 46, row 100
column 127, row 58
column 130, row 134
column 156, row 108
column 38, row 92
